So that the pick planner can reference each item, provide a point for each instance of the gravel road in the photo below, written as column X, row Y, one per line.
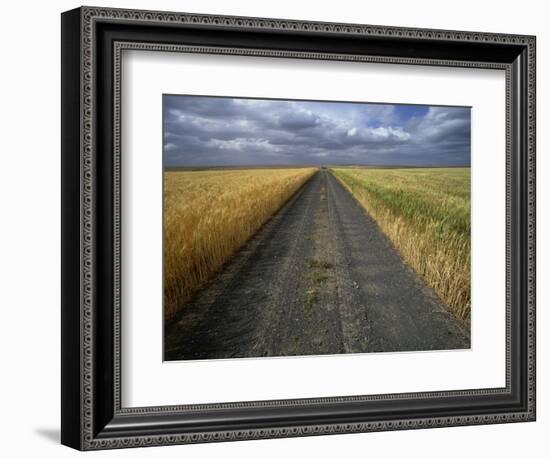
column 319, row 278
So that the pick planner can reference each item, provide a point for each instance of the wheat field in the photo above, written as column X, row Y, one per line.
column 209, row 215
column 426, row 214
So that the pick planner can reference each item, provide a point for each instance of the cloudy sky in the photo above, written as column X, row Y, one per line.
column 218, row 131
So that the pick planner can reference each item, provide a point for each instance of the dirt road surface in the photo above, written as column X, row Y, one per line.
column 319, row 278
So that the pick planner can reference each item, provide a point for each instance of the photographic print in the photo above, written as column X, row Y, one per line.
column 331, row 201
column 306, row 227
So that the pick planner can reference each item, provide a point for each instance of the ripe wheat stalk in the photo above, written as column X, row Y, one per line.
column 210, row 215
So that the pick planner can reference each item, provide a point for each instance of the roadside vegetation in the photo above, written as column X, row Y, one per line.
column 426, row 214
column 209, row 215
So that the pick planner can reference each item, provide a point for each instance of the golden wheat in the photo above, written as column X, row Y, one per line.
column 426, row 214
column 209, row 215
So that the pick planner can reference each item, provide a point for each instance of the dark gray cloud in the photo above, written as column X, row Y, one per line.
column 210, row 131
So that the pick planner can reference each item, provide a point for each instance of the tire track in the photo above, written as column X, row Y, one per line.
column 397, row 310
column 354, row 320
column 268, row 339
column 235, row 313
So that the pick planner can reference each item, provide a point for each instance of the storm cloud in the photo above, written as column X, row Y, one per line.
column 220, row 131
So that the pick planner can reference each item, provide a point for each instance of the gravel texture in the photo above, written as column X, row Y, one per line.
column 319, row 278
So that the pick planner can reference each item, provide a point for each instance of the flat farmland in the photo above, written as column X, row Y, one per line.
column 320, row 277
column 425, row 212
column 210, row 214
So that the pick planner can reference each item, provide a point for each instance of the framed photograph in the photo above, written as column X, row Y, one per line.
column 276, row 228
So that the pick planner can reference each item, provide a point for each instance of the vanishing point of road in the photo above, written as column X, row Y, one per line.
column 319, row 278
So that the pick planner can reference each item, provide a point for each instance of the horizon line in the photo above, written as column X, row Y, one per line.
column 205, row 166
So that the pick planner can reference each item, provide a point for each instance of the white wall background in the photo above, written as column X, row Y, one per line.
column 30, row 229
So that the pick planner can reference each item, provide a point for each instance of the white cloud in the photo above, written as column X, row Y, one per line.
column 254, row 131
column 389, row 133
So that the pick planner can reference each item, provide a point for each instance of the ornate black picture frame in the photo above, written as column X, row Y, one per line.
column 92, row 42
